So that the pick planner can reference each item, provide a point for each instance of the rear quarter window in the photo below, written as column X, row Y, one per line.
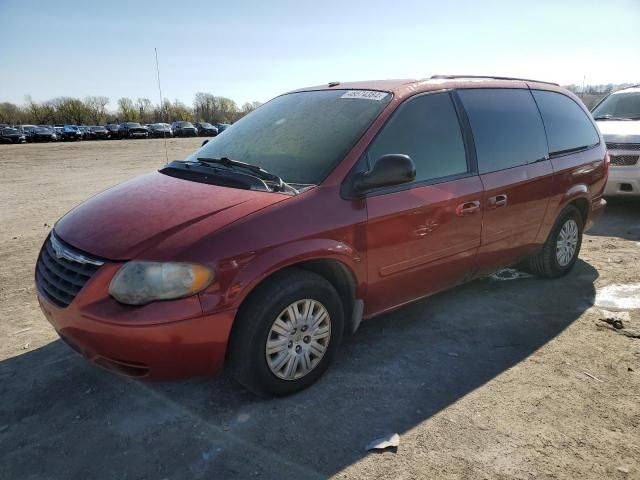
column 507, row 128
column 568, row 126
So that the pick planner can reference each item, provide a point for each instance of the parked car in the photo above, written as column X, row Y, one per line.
column 206, row 129
column 367, row 196
column 58, row 131
column 12, row 135
column 184, row 129
column 618, row 117
column 43, row 134
column 27, row 130
column 71, row 133
column 132, row 130
column 222, row 126
column 87, row 134
column 113, row 131
column 99, row 132
column 160, row 130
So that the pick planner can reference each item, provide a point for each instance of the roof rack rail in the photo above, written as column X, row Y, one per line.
column 452, row 77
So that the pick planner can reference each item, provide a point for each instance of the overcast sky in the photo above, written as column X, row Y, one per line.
column 254, row 50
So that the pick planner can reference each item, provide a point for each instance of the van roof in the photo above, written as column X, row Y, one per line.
column 436, row 82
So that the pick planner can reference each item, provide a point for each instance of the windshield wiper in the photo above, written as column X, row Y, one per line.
column 610, row 117
column 278, row 184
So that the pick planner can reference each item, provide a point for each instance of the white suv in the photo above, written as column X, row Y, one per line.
column 618, row 117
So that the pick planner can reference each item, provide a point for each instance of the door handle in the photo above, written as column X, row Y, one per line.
column 468, row 208
column 497, row 201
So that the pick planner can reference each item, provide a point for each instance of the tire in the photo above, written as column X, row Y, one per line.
column 258, row 370
column 549, row 263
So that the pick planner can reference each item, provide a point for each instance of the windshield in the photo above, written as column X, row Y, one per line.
column 206, row 125
column 299, row 136
column 624, row 105
column 98, row 129
column 183, row 124
column 133, row 125
column 43, row 130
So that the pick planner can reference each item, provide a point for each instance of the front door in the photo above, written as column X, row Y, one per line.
column 423, row 236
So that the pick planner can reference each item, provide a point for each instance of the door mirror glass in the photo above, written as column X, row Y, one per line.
column 390, row 169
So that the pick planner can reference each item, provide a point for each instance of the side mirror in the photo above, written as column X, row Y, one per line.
column 205, row 142
column 391, row 169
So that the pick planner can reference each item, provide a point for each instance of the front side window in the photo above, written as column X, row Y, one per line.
column 567, row 125
column 507, row 128
column 426, row 128
column 299, row 136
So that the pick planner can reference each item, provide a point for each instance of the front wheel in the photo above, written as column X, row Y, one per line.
column 287, row 333
column 562, row 247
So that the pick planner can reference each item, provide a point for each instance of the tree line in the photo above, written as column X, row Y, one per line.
column 592, row 94
column 93, row 110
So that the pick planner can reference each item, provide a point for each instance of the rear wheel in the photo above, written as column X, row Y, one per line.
column 287, row 333
column 562, row 247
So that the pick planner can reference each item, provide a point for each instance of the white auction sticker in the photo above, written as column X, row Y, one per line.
column 365, row 94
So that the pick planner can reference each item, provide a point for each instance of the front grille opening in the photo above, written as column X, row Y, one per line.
column 624, row 160
column 58, row 277
column 626, row 187
column 623, row 146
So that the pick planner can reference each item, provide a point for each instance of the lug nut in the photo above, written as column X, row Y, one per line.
column 290, row 344
column 306, row 339
column 298, row 348
column 304, row 328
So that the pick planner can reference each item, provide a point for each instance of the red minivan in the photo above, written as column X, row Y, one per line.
column 325, row 206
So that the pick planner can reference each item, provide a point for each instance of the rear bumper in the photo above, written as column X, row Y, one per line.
column 623, row 181
column 173, row 349
column 597, row 210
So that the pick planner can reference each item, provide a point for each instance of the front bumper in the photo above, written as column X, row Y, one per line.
column 623, row 181
column 161, row 340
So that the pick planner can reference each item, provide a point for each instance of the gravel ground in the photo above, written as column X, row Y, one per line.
column 498, row 378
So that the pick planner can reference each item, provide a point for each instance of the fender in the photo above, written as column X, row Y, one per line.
column 250, row 272
column 577, row 191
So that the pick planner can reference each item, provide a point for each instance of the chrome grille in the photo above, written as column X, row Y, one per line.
column 624, row 160
column 623, row 146
column 62, row 270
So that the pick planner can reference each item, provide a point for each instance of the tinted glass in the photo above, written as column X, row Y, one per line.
column 427, row 129
column 132, row 125
column 567, row 125
column 507, row 128
column 299, row 136
column 624, row 105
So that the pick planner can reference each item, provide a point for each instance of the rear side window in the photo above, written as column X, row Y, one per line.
column 507, row 128
column 568, row 127
column 427, row 129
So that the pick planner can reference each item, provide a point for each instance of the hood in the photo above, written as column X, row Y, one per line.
column 137, row 216
column 620, row 131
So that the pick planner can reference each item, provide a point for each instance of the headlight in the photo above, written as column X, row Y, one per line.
column 138, row 282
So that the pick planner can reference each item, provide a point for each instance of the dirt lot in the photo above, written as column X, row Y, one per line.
column 494, row 379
